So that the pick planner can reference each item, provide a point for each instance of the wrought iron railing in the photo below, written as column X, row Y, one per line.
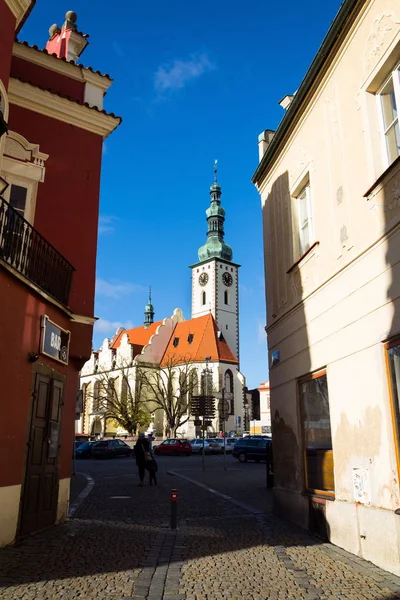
column 26, row 251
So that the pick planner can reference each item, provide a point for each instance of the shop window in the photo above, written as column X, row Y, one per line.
column 317, row 438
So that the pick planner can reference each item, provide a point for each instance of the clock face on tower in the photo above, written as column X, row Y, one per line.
column 227, row 279
column 203, row 279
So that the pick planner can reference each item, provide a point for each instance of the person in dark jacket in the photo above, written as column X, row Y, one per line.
column 152, row 467
column 142, row 449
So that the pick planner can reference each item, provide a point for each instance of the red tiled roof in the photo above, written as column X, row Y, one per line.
column 138, row 336
column 207, row 341
column 71, row 62
column 111, row 114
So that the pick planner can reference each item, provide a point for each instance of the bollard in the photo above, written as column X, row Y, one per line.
column 174, row 508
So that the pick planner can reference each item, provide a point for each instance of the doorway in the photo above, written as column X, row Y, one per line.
column 40, row 491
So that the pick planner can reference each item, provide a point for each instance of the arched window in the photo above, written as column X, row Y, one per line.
column 193, row 383
column 96, row 396
column 203, row 298
column 124, row 390
column 226, row 297
column 229, row 390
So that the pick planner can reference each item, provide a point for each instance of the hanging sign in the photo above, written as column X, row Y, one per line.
column 55, row 341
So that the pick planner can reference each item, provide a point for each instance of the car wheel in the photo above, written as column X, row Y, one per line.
column 175, row 453
column 242, row 457
column 188, row 453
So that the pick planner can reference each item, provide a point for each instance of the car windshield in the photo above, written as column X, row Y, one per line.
column 84, row 445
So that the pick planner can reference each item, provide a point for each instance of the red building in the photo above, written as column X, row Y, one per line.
column 50, row 161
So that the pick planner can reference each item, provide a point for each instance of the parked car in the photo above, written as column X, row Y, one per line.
column 110, row 449
column 173, row 447
column 251, row 448
column 229, row 444
column 83, row 450
column 210, row 446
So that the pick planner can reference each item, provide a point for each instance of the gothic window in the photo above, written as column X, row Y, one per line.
column 203, row 298
column 124, row 390
column 96, row 396
column 226, row 297
column 229, row 390
column 193, row 383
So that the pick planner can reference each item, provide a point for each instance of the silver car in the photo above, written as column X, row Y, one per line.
column 210, row 446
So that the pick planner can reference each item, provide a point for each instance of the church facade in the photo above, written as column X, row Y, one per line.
column 200, row 355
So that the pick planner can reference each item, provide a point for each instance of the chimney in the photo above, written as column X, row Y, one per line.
column 264, row 140
column 67, row 42
column 286, row 101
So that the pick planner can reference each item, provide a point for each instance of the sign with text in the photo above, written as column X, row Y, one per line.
column 55, row 341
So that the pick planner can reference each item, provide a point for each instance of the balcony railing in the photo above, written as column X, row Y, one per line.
column 26, row 251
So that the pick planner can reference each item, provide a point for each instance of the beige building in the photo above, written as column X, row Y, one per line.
column 329, row 180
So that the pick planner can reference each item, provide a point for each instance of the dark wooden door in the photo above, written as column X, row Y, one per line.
column 40, row 493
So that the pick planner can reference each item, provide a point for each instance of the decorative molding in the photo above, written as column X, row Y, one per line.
column 378, row 40
column 53, row 106
column 83, row 319
column 24, row 158
column 18, row 8
column 48, row 61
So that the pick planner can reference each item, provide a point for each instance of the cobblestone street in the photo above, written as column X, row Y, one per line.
column 118, row 544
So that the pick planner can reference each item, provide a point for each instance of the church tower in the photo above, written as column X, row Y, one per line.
column 215, row 281
column 148, row 312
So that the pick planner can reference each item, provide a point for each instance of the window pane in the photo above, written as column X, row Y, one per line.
column 304, row 220
column 393, row 141
column 317, row 434
column 388, row 101
column 394, row 366
column 18, row 198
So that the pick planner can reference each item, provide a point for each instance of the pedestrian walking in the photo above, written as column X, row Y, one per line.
column 142, row 455
column 150, row 439
column 152, row 467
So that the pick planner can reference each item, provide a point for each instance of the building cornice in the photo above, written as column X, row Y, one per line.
column 48, row 61
column 51, row 105
column 343, row 20
column 19, row 8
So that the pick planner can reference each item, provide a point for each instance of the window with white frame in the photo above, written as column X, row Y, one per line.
column 304, row 219
column 18, row 195
column 388, row 98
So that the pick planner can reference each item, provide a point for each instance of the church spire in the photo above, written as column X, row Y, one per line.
column 148, row 312
column 215, row 247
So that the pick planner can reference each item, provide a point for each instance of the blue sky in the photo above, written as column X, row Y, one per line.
column 193, row 82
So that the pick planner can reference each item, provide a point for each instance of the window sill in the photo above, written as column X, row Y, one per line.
column 319, row 495
column 302, row 257
column 381, row 177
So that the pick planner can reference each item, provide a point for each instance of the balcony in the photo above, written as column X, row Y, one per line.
column 28, row 253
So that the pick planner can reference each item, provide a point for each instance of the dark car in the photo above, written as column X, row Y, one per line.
column 110, row 449
column 84, row 450
column 251, row 448
column 173, row 447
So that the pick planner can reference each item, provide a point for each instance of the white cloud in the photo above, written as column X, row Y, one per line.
column 117, row 289
column 174, row 75
column 110, row 327
column 107, row 224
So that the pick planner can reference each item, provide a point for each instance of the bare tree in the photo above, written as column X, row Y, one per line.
column 122, row 398
column 170, row 388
